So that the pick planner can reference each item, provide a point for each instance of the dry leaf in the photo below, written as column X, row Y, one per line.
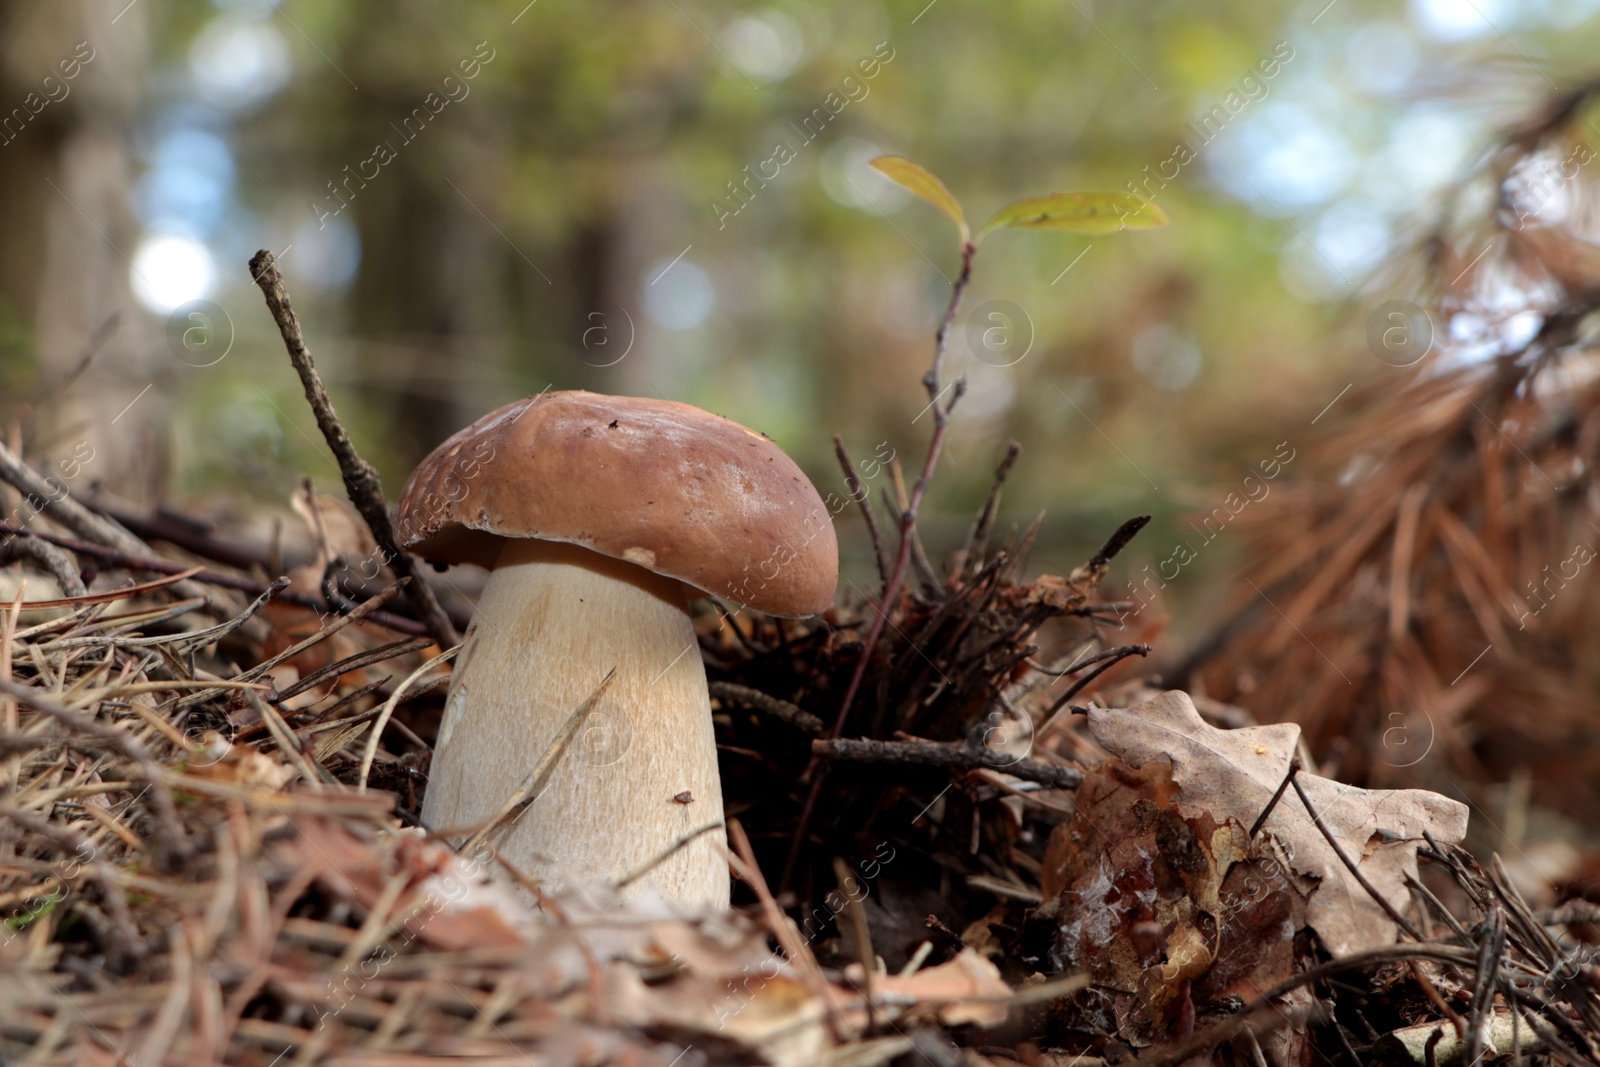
column 1232, row 775
column 1167, row 914
column 335, row 521
column 968, row 987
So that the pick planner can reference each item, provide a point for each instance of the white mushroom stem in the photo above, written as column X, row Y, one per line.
column 642, row 771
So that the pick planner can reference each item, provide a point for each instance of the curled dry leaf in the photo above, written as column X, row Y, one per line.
column 967, row 988
column 1232, row 775
column 1168, row 914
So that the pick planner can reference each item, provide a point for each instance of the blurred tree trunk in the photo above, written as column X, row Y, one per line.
column 65, row 180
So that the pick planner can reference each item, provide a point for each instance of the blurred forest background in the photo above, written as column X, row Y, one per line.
column 473, row 203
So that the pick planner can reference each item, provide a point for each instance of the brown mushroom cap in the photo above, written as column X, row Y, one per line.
column 666, row 486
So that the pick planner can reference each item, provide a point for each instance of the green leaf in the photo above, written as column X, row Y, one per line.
column 1093, row 213
column 922, row 183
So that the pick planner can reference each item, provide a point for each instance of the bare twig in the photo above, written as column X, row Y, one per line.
column 978, row 536
column 1118, row 541
column 56, row 501
column 1333, row 843
column 361, row 481
column 958, row 755
column 781, row 710
column 155, row 565
column 1261, row 820
column 1431, row 991
column 49, row 557
column 1250, row 1016
column 1111, row 657
column 897, row 503
column 339, row 623
column 1573, row 911
column 1489, row 953
column 392, row 650
column 210, row 635
column 1413, row 1042
column 181, row 532
column 863, row 499
column 908, row 521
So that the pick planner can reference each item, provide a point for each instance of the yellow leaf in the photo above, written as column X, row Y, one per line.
column 922, row 183
column 1092, row 213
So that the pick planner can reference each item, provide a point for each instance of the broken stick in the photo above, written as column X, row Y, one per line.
column 361, row 480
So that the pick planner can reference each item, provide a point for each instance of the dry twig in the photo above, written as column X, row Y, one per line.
column 361, row 481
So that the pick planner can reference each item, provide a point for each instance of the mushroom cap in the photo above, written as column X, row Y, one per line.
column 669, row 487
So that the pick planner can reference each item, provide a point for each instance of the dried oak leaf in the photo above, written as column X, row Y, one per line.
column 1167, row 914
column 1232, row 775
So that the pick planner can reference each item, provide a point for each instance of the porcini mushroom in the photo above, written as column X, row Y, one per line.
column 599, row 516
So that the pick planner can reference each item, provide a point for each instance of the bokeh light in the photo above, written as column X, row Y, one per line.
column 169, row 270
column 237, row 64
column 678, row 295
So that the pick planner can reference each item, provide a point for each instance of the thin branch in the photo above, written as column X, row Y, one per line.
column 1248, row 1016
column 1333, row 843
column 983, row 523
column 155, row 565
column 1489, row 953
column 56, row 500
column 361, row 481
column 908, row 521
column 863, row 499
column 1112, row 657
column 392, row 650
column 339, row 623
column 958, row 755
column 1261, row 820
column 49, row 558
column 919, row 555
column 1118, row 541
column 781, row 710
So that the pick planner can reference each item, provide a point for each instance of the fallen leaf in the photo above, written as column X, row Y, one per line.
column 1232, row 775
column 1167, row 914
column 967, row 987
column 334, row 523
